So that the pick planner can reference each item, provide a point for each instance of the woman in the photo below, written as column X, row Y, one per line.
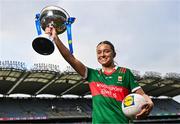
column 108, row 85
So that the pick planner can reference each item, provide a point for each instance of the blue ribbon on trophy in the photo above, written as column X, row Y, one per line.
column 69, row 34
column 38, row 24
column 61, row 22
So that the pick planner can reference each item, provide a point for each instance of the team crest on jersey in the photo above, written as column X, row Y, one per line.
column 119, row 78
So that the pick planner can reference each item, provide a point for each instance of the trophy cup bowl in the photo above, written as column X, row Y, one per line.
column 50, row 16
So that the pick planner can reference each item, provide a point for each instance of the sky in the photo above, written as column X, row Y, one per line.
column 145, row 33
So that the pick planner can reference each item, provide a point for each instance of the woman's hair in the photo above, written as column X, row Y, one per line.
column 110, row 44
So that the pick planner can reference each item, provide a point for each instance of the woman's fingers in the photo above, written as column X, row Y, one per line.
column 48, row 30
column 144, row 112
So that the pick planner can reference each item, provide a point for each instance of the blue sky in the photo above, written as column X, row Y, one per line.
column 145, row 32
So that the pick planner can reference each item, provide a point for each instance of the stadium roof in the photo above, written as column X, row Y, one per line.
column 48, row 81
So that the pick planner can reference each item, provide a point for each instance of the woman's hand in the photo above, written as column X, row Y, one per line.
column 51, row 31
column 146, row 109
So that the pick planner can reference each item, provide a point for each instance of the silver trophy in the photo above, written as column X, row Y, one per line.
column 49, row 16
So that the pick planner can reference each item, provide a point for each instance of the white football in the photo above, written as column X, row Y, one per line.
column 132, row 105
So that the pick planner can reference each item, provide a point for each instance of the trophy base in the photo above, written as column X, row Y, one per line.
column 43, row 45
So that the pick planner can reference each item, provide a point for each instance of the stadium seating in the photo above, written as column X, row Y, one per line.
column 165, row 107
column 53, row 108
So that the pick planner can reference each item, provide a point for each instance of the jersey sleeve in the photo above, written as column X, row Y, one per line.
column 89, row 74
column 86, row 73
column 132, row 84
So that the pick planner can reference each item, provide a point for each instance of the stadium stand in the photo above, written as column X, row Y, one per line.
column 66, row 108
column 43, row 78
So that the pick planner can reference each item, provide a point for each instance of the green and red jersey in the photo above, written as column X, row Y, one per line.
column 108, row 91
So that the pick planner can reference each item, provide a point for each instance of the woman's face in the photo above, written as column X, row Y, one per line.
column 105, row 55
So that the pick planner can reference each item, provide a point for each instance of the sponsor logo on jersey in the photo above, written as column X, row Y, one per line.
column 116, row 92
column 108, row 77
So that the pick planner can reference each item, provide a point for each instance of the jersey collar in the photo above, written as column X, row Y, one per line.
column 109, row 73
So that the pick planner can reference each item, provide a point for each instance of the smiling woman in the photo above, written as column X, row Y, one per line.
column 109, row 85
column 105, row 53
